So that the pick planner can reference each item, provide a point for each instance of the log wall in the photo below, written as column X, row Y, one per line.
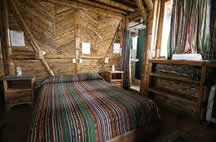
column 53, row 27
column 1, row 65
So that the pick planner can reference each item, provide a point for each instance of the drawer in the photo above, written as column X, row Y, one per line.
column 119, row 84
column 24, row 92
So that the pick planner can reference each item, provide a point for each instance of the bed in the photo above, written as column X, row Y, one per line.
column 85, row 108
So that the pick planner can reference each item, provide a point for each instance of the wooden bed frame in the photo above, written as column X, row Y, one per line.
column 139, row 135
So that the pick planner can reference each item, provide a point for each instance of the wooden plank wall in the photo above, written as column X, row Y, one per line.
column 53, row 27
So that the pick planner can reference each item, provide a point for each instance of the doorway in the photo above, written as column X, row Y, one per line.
column 138, row 33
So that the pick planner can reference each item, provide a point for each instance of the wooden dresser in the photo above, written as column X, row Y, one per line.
column 18, row 90
column 114, row 77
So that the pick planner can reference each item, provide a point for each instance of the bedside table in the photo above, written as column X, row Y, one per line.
column 114, row 77
column 18, row 90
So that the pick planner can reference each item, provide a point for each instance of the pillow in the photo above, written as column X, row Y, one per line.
column 89, row 76
column 72, row 78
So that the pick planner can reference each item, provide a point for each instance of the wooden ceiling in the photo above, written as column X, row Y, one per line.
column 136, row 10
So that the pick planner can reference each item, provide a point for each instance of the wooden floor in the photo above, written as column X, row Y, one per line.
column 17, row 121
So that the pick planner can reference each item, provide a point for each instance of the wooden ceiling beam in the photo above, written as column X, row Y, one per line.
column 149, row 4
column 102, row 6
column 133, row 15
column 116, row 4
column 142, row 9
column 102, row 11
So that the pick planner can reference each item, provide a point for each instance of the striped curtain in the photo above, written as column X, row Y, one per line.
column 213, row 29
column 190, row 28
column 126, row 46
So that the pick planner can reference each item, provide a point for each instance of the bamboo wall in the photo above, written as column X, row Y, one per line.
column 53, row 27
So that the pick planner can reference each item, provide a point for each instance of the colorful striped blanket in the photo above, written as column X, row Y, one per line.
column 87, row 111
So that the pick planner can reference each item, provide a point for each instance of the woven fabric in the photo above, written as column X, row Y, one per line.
column 88, row 111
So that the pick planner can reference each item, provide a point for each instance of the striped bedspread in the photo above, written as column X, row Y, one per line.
column 88, row 111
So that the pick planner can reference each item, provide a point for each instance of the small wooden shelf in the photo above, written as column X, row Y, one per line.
column 185, row 86
column 171, row 96
column 179, row 62
column 172, row 77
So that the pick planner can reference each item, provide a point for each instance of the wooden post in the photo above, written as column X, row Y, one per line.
column 160, row 28
column 200, row 110
column 77, row 38
column 9, row 66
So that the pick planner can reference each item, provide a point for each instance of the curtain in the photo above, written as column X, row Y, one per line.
column 125, row 58
column 213, row 30
column 140, row 46
column 190, row 28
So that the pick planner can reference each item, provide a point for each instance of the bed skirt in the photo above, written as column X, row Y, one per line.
column 138, row 135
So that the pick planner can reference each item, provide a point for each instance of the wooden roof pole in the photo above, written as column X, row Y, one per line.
column 142, row 9
column 133, row 15
column 116, row 4
column 9, row 67
column 33, row 41
column 151, row 25
column 149, row 4
column 102, row 6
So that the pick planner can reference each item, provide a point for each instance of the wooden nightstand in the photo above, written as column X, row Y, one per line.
column 18, row 90
column 114, row 77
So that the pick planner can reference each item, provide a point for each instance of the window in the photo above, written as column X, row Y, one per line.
column 16, row 38
column 166, row 27
column 86, row 48
column 116, row 48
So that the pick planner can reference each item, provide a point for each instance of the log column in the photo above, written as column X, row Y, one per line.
column 147, row 53
column 9, row 67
